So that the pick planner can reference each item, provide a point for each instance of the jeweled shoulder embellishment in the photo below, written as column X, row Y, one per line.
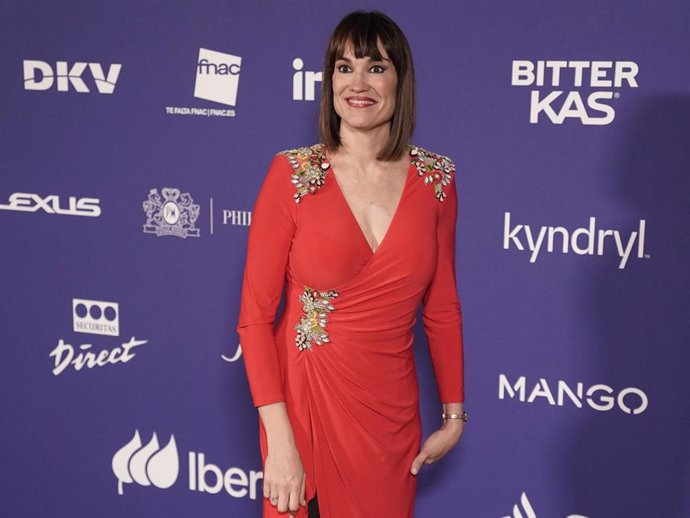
column 310, row 167
column 436, row 169
column 312, row 325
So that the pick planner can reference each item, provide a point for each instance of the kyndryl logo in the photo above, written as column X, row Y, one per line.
column 304, row 82
column 173, row 215
column 217, row 77
column 31, row 202
column 39, row 75
column 598, row 81
column 151, row 465
column 526, row 506
column 582, row 241
column 630, row 400
column 146, row 465
column 96, row 317
column 99, row 318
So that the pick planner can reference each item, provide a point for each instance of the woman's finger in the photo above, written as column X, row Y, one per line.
column 293, row 502
column 283, row 500
column 272, row 495
column 303, row 490
column 417, row 462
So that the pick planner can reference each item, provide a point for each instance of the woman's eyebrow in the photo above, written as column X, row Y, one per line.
column 348, row 60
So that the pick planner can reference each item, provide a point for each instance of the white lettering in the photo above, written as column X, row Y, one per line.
column 64, row 355
column 30, row 202
column 553, row 73
column 583, row 240
column 304, row 82
column 209, row 478
column 598, row 397
column 551, row 79
column 518, row 387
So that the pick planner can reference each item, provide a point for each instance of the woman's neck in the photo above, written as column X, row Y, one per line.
column 362, row 146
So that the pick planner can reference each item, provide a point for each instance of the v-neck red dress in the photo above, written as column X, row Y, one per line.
column 341, row 353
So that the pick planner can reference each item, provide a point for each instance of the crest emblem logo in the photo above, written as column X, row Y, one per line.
column 172, row 215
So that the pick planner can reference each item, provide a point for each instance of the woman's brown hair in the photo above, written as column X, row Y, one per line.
column 364, row 29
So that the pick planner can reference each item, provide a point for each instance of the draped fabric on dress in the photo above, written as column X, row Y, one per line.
column 341, row 353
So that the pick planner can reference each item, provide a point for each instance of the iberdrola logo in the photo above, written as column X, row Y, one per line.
column 146, row 465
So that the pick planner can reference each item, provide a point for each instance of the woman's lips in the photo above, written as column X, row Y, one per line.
column 359, row 102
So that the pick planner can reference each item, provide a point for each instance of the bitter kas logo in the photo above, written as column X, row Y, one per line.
column 172, row 215
column 582, row 90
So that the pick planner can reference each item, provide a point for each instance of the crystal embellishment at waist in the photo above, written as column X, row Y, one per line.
column 312, row 324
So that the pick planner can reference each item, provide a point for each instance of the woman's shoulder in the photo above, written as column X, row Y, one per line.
column 303, row 152
column 308, row 167
column 434, row 168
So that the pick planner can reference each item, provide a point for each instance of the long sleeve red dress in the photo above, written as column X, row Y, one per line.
column 341, row 353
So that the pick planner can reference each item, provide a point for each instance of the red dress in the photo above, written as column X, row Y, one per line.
column 340, row 355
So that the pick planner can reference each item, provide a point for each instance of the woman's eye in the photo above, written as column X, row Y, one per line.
column 377, row 69
column 343, row 68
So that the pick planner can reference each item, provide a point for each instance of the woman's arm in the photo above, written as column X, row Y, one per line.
column 442, row 313
column 442, row 317
column 268, row 246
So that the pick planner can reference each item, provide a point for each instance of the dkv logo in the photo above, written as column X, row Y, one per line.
column 146, row 465
column 39, row 75
column 526, row 506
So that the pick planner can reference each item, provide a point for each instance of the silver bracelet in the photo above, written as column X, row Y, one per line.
column 464, row 416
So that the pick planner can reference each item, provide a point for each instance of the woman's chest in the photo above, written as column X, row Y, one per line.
column 330, row 247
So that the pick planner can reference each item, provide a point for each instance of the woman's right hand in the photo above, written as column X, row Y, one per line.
column 284, row 477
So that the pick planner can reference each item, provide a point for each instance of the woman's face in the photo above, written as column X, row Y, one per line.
column 364, row 90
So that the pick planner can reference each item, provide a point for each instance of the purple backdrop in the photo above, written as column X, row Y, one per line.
column 135, row 136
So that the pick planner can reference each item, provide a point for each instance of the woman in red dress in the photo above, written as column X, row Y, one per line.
column 359, row 230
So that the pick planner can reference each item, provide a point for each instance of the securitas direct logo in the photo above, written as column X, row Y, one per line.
column 93, row 317
column 582, row 90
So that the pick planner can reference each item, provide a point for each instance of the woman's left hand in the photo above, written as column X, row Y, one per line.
column 438, row 443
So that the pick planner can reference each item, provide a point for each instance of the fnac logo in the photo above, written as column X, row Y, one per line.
column 581, row 90
column 146, row 465
column 217, row 77
column 39, row 75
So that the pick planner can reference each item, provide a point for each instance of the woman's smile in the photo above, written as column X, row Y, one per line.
column 358, row 101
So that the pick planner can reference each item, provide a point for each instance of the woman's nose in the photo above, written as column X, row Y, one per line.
column 359, row 81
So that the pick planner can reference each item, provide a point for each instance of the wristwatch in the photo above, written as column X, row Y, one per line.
column 463, row 415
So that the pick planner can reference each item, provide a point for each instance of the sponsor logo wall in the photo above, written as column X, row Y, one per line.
column 148, row 132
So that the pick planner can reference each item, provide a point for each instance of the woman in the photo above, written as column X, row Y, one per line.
column 360, row 229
